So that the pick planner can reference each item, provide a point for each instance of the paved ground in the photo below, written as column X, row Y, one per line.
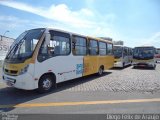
column 140, row 85
column 127, row 80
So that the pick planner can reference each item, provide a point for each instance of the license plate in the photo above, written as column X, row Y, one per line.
column 6, row 79
column 9, row 81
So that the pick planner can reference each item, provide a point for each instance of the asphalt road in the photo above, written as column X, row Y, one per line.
column 125, row 90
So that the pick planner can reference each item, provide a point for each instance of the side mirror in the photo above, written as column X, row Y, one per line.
column 47, row 38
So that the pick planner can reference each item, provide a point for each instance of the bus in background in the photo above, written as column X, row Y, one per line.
column 144, row 56
column 41, row 58
column 122, row 56
column 157, row 56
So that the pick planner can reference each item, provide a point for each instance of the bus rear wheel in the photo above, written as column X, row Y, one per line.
column 154, row 67
column 46, row 84
column 100, row 71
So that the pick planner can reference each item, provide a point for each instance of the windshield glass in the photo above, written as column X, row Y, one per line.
column 158, row 51
column 24, row 45
column 142, row 53
column 117, row 51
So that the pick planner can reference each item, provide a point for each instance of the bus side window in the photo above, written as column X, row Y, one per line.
column 131, row 52
column 109, row 49
column 59, row 46
column 102, row 48
column 60, row 43
column 93, row 47
column 79, row 45
column 125, row 52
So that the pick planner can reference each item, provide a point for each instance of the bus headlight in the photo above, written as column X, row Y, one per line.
column 24, row 70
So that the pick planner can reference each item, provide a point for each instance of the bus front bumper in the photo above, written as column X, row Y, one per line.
column 143, row 64
column 157, row 59
column 24, row 81
column 118, row 64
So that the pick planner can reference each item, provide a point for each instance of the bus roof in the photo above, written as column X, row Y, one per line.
column 89, row 37
column 121, row 46
column 144, row 46
column 99, row 39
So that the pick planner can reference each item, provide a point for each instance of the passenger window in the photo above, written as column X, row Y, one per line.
column 109, row 49
column 93, row 47
column 131, row 52
column 79, row 45
column 59, row 46
column 125, row 52
column 102, row 48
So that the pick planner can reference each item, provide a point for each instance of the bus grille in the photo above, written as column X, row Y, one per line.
column 11, row 72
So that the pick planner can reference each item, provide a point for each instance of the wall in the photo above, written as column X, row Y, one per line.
column 5, row 43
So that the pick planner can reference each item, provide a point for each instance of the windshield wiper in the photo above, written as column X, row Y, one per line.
column 12, row 52
column 14, row 49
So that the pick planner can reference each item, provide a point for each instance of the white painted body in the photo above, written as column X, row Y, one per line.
column 64, row 67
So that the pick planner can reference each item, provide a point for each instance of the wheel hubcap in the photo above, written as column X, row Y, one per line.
column 100, row 71
column 47, row 84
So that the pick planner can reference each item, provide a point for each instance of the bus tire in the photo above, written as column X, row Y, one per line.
column 154, row 67
column 123, row 65
column 100, row 71
column 46, row 83
column 134, row 67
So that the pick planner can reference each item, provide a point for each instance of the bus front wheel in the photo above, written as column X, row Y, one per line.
column 46, row 84
column 123, row 65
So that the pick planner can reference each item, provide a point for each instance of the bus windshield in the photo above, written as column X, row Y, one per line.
column 117, row 51
column 143, row 53
column 24, row 45
column 158, row 51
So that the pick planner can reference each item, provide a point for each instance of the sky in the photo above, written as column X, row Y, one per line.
column 136, row 22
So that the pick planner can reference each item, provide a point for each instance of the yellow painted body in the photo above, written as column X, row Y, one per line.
column 14, row 69
column 93, row 63
column 90, row 65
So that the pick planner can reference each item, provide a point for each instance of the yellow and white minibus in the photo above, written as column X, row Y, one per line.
column 144, row 56
column 41, row 58
column 122, row 56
